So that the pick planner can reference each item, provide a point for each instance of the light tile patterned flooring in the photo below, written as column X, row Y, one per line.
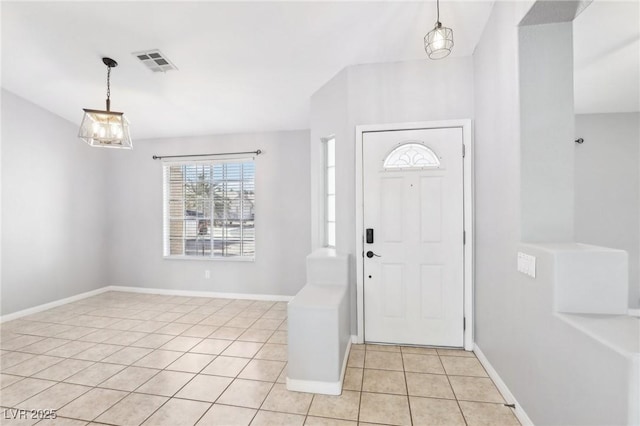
column 130, row 359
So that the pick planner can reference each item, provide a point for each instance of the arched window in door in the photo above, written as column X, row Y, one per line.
column 411, row 155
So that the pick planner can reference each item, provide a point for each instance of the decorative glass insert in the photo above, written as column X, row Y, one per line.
column 411, row 155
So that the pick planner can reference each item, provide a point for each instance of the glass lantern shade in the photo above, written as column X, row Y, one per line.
column 106, row 129
column 438, row 42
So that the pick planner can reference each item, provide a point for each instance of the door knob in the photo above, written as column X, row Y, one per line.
column 370, row 254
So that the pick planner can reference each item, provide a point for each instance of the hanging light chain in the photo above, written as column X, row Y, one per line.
column 108, row 88
column 438, row 11
column 108, row 82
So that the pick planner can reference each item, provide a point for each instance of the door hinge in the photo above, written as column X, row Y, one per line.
column 464, row 323
column 464, row 150
column 464, row 237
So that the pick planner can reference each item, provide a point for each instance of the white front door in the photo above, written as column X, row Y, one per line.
column 414, row 259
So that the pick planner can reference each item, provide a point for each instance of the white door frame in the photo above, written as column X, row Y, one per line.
column 468, row 216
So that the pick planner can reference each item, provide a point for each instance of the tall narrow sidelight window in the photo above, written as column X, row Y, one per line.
column 330, row 191
column 209, row 209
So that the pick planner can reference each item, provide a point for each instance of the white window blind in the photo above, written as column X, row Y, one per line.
column 330, row 191
column 209, row 209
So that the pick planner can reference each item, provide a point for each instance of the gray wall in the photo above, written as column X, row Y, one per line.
column 497, row 185
column 53, row 208
column 558, row 375
column 328, row 117
column 282, row 217
column 607, row 179
column 546, row 132
column 373, row 94
column 76, row 218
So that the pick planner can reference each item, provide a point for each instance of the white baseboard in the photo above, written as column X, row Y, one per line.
column 50, row 305
column 188, row 293
column 502, row 387
column 634, row 312
column 325, row 388
column 311, row 386
column 192, row 293
column 345, row 360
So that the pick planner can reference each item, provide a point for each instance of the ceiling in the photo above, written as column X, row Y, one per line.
column 252, row 66
column 606, row 37
column 243, row 66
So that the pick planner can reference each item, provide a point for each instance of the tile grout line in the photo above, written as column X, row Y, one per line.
column 63, row 382
column 364, row 366
column 406, row 386
column 195, row 375
column 464, row 418
column 96, row 386
column 313, row 397
column 236, row 377
column 227, row 312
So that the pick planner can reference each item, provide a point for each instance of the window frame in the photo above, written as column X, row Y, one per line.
column 325, row 191
column 166, row 217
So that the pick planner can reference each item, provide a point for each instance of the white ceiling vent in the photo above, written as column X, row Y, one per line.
column 155, row 60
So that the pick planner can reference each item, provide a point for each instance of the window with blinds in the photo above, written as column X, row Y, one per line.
column 209, row 209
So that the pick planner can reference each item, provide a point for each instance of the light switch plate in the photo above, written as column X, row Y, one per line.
column 527, row 264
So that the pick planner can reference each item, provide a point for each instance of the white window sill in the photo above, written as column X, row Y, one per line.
column 213, row 259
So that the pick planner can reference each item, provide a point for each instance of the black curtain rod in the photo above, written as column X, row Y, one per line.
column 158, row 157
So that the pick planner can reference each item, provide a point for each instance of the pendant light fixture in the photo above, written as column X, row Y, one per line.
column 108, row 128
column 439, row 41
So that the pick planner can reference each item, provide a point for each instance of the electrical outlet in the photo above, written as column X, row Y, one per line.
column 527, row 264
column 207, row 274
